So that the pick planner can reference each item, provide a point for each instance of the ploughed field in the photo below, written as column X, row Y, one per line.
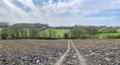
column 100, row 52
column 31, row 52
column 60, row 52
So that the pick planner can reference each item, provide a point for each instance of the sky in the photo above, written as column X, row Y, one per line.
column 61, row 12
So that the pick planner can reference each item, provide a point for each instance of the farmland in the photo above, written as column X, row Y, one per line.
column 60, row 52
column 100, row 52
column 107, row 35
column 31, row 52
column 59, row 32
column 44, row 31
column 0, row 29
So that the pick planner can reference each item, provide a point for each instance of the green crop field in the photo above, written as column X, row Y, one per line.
column 59, row 32
column 107, row 35
column 0, row 29
column 118, row 30
column 0, row 32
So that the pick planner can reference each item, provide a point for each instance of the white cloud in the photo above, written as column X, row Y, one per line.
column 48, row 12
column 35, row 11
column 12, row 14
column 27, row 3
column 13, row 7
column 62, row 7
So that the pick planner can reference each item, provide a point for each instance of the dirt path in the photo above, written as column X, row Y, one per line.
column 60, row 61
column 80, row 58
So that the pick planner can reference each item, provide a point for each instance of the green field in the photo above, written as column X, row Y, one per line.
column 107, row 35
column 59, row 32
column 0, row 29
column 45, row 33
column 0, row 33
column 118, row 30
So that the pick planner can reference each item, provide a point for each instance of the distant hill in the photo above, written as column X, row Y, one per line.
column 29, row 25
column 3, row 24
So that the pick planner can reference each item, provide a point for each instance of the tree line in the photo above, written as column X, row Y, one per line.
column 19, row 32
column 43, row 31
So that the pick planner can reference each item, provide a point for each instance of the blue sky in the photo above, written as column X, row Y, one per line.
column 61, row 12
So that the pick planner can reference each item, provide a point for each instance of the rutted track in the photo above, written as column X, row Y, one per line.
column 99, row 52
column 60, row 61
column 73, row 54
column 60, row 52
column 81, row 59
